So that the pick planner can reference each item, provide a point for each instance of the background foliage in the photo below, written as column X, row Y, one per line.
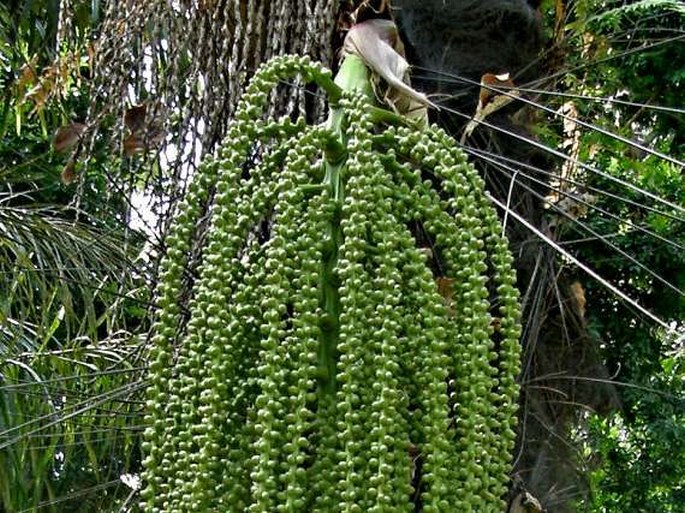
column 634, row 456
column 71, row 307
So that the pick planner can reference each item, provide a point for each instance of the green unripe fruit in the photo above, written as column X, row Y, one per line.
column 320, row 361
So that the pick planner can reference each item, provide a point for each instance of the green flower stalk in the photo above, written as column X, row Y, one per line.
column 319, row 367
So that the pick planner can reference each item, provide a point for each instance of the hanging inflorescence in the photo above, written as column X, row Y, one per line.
column 320, row 366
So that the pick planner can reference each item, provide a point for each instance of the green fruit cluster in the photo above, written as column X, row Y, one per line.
column 318, row 368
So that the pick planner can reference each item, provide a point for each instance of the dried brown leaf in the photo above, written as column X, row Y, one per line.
column 525, row 502
column 446, row 290
column 134, row 118
column 137, row 143
column 68, row 173
column 578, row 294
column 133, row 145
column 378, row 44
column 490, row 101
column 67, row 136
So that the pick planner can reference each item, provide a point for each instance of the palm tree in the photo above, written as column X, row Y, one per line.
column 166, row 79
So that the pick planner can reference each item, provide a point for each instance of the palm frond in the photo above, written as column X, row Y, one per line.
column 58, row 273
